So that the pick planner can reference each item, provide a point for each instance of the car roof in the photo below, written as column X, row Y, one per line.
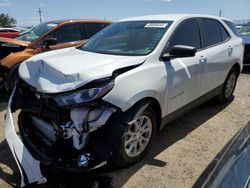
column 79, row 20
column 170, row 17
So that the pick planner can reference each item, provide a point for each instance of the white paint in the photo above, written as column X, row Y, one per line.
column 21, row 154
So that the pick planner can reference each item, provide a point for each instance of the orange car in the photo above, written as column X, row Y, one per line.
column 43, row 37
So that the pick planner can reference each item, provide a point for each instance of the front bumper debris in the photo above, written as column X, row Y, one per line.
column 28, row 166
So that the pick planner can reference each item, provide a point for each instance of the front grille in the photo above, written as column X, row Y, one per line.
column 29, row 100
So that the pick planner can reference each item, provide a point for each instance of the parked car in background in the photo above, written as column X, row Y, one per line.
column 238, row 26
column 23, row 29
column 230, row 168
column 103, row 102
column 9, row 32
column 245, row 35
column 42, row 38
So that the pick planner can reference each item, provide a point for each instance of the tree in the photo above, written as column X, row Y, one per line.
column 6, row 20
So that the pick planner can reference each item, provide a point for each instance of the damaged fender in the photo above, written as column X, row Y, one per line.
column 28, row 166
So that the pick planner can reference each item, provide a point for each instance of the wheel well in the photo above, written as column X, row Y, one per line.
column 236, row 66
column 156, row 107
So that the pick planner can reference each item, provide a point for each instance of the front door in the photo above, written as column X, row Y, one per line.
column 184, row 78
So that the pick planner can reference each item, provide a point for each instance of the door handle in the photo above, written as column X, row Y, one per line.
column 230, row 50
column 203, row 59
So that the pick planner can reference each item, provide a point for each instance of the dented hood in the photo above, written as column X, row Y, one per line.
column 14, row 41
column 70, row 68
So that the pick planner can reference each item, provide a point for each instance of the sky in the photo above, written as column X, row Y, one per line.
column 26, row 11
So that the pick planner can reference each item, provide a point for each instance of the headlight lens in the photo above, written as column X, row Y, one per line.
column 82, row 96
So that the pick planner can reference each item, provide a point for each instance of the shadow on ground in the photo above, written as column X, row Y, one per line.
column 9, row 173
column 169, row 135
column 3, row 106
column 246, row 70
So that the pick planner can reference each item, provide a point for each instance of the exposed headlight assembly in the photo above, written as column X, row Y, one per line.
column 83, row 96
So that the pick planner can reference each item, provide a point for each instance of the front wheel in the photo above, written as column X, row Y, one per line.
column 229, row 86
column 136, row 139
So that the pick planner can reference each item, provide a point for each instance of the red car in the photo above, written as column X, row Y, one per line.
column 9, row 32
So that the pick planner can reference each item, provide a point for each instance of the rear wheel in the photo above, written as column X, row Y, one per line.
column 229, row 86
column 136, row 139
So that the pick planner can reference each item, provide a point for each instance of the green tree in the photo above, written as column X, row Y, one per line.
column 6, row 20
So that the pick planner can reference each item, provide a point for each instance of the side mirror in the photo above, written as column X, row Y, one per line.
column 50, row 42
column 180, row 51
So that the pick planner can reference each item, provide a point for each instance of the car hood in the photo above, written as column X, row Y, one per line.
column 70, row 68
column 14, row 41
column 246, row 39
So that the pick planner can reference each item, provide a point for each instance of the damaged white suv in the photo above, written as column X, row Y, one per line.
column 104, row 101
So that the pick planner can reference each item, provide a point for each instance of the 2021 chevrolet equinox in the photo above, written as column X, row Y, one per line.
column 84, row 107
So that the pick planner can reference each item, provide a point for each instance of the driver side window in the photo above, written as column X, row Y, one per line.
column 67, row 33
column 187, row 33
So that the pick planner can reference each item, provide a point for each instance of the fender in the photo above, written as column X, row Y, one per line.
column 17, row 57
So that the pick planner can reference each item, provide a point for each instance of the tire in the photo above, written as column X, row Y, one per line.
column 229, row 86
column 146, row 121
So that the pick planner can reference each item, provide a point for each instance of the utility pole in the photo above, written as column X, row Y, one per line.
column 220, row 13
column 40, row 15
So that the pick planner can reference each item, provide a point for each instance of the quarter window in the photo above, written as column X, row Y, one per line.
column 232, row 27
column 186, row 34
column 67, row 33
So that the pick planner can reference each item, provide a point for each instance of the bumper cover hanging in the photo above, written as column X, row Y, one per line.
column 28, row 166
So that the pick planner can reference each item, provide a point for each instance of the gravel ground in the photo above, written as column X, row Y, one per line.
column 180, row 152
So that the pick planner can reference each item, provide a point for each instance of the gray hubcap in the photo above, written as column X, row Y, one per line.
column 230, row 85
column 138, row 136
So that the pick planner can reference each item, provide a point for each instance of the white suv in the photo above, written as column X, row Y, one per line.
column 104, row 101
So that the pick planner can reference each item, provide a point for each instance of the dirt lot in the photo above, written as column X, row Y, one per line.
column 180, row 152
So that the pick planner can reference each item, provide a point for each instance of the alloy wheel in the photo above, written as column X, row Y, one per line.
column 138, row 136
column 230, row 85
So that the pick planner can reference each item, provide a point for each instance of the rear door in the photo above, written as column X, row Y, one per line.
column 184, row 79
column 217, row 53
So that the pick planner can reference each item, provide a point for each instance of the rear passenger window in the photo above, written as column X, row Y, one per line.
column 211, row 32
column 214, row 32
column 186, row 34
column 91, row 29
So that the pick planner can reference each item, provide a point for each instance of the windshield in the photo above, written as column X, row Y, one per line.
column 245, row 30
column 36, row 31
column 128, row 38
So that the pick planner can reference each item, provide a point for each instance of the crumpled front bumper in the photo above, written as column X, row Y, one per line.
column 28, row 166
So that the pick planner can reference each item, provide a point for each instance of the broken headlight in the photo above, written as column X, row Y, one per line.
column 82, row 96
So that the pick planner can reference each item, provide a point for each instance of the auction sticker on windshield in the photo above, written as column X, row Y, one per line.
column 156, row 25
